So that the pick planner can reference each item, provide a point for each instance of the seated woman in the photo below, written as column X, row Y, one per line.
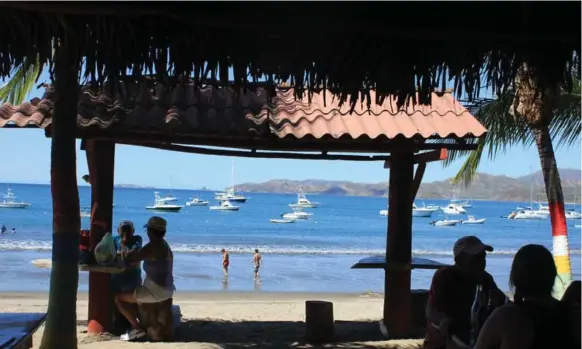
column 158, row 286
column 125, row 243
column 535, row 319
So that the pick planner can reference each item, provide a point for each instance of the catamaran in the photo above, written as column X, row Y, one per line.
column 9, row 201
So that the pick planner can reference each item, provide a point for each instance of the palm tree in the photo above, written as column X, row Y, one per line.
column 61, row 326
column 523, row 116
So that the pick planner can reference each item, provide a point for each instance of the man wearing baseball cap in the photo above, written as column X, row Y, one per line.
column 452, row 293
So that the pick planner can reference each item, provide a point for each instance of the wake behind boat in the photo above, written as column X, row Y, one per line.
column 163, row 206
column 9, row 201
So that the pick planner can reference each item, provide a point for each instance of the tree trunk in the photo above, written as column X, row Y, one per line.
column 555, row 197
column 61, row 326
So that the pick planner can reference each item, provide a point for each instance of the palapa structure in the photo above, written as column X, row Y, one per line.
column 156, row 74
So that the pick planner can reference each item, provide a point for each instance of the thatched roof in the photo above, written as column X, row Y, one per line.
column 396, row 48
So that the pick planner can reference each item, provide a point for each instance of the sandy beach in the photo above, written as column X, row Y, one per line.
column 237, row 320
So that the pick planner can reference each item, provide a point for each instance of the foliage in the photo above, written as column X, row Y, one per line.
column 21, row 83
column 507, row 129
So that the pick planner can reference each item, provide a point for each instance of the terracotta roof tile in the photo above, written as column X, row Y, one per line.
column 220, row 111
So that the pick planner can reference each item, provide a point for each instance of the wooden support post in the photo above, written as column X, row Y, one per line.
column 397, row 297
column 61, row 326
column 319, row 323
column 101, row 161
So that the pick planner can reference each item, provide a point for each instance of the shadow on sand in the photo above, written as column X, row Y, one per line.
column 282, row 334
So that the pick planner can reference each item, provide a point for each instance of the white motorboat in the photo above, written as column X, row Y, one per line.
column 196, row 202
column 444, row 223
column 9, row 201
column 282, row 221
column 453, row 209
column 163, row 206
column 225, row 206
column 473, row 220
column 85, row 214
column 573, row 215
column 578, row 226
column 527, row 214
column 520, row 208
column 421, row 211
column 303, row 202
column 297, row 213
column 416, row 211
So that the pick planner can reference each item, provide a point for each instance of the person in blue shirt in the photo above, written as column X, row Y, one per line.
column 126, row 242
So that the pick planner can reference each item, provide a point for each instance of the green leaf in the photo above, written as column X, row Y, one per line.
column 21, row 84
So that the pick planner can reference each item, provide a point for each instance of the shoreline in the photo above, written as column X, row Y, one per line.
column 202, row 296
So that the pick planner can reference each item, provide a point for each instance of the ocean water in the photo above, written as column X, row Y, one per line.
column 308, row 256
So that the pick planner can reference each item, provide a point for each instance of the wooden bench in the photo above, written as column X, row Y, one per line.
column 160, row 320
column 16, row 329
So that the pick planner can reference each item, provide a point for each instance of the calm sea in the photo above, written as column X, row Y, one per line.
column 308, row 256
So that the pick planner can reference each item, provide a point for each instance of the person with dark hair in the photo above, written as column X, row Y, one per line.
column 535, row 319
column 158, row 286
column 126, row 242
column 452, row 294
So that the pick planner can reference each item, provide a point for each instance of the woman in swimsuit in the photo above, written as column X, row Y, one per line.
column 225, row 261
column 158, row 286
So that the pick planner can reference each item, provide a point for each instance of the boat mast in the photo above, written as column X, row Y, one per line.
column 232, row 177
column 530, row 188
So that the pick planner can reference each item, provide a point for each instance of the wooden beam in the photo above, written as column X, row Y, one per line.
column 431, row 156
column 256, row 154
column 345, row 144
column 420, row 169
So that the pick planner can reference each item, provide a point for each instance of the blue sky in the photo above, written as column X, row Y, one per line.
column 26, row 159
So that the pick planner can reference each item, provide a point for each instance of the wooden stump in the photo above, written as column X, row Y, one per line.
column 319, row 323
column 157, row 320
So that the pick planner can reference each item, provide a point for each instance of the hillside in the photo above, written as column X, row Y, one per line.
column 485, row 187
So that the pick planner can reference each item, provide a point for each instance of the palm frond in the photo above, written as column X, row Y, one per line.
column 507, row 129
column 21, row 83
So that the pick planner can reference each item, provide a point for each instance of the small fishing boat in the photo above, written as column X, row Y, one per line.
column 282, row 221
column 473, row 220
column 9, row 201
column 444, row 223
column 163, row 206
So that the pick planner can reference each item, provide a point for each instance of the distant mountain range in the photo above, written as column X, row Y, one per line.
column 484, row 187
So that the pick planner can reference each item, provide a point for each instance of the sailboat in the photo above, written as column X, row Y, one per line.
column 230, row 193
column 528, row 214
column 169, row 198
